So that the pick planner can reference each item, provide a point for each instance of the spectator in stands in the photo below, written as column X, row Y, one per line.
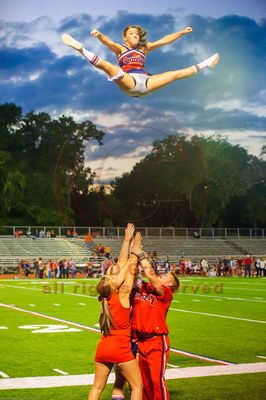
column 263, row 267
column 53, row 235
column 196, row 234
column 154, row 261
column 69, row 234
column 75, row 234
column 218, row 266
column 204, row 266
column 100, row 249
column 36, row 268
column 247, row 264
column 42, row 234
column 41, row 268
column 167, row 265
column 107, row 251
column 36, row 233
column 73, row 269
column 66, row 268
column 26, row 268
column 49, row 269
column 226, row 266
column 48, row 234
column 55, row 269
column 18, row 233
column 88, row 240
column 61, row 268
column 257, row 267
column 239, row 266
column 188, row 266
column 28, row 233
column 89, row 270
column 233, row 265
column 182, row 266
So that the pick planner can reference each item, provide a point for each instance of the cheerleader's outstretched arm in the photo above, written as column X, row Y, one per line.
column 168, row 39
column 113, row 46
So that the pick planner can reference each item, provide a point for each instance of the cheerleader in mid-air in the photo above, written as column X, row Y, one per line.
column 130, row 74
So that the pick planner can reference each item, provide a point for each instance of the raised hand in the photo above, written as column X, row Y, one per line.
column 137, row 246
column 95, row 32
column 188, row 29
column 129, row 231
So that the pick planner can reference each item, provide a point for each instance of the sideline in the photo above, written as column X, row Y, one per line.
column 39, row 382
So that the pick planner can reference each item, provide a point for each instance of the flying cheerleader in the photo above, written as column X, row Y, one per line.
column 130, row 74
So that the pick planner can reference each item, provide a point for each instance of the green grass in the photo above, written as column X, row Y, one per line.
column 236, row 340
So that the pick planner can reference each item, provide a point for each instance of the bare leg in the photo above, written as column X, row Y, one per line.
column 102, row 372
column 131, row 372
column 119, row 384
column 124, row 81
column 158, row 81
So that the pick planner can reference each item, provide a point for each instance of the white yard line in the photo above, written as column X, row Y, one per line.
column 172, row 365
column 87, row 379
column 3, row 327
column 3, row 375
column 218, row 315
column 58, row 291
column 60, row 371
column 236, row 288
column 199, row 357
column 258, row 299
column 262, row 357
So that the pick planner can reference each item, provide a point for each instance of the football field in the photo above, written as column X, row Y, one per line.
column 49, row 332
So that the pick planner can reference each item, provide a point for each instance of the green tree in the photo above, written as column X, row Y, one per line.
column 189, row 181
column 42, row 165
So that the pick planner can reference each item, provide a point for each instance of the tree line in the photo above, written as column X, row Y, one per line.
column 185, row 180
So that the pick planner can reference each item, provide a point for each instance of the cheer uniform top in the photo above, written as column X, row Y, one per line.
column 116, row 347
column 149, row 311
column 132, row 61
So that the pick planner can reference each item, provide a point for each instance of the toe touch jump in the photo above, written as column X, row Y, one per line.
column 130, row 74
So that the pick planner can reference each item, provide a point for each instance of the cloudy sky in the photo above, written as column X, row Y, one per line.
column 39, row 73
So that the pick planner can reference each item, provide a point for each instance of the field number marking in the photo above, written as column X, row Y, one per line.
column 49, row 328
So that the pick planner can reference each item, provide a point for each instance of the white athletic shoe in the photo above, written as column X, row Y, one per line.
column 71, row 42
column 213, row 60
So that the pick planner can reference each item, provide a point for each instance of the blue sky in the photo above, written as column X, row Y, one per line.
column 39, row 73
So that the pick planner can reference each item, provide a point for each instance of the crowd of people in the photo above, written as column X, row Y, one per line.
column 228, row 266
column 101, row 260
column 64, row 268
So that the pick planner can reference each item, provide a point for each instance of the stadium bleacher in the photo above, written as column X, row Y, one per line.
column 12, row 250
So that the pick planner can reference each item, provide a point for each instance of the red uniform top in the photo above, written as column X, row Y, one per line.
column 248, row 261
column 150, row 310
column 132, row 60
column 120, row 315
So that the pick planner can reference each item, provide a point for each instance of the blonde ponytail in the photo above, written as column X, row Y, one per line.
column 104, row 289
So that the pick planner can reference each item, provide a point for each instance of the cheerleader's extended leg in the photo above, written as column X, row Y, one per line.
column 122, row 79
column 158, row 81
